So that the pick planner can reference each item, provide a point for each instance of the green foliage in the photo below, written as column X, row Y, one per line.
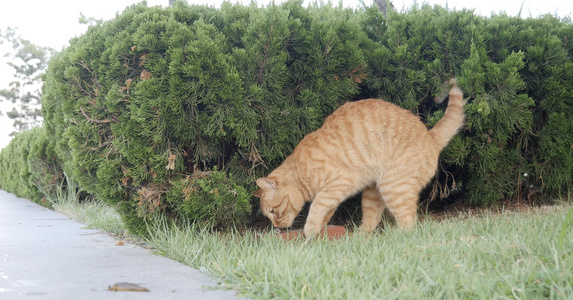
column 140, row 106
column 143, row 101
column 29, row 166
column 211, row 197
column 516, row 76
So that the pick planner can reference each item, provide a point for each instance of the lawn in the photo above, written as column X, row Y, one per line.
column 496, row 255
column 501, row 255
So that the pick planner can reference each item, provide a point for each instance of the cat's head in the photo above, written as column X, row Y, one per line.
column 280, row 202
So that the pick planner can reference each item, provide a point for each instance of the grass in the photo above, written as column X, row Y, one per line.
column 495, row 256
column 93, row 213
column 508, row 255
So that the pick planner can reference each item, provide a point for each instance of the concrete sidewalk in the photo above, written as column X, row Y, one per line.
column 46, row 255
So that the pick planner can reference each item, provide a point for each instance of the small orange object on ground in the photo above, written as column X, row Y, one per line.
column 332, row 232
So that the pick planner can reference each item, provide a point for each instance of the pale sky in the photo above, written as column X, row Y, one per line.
column 53, row 23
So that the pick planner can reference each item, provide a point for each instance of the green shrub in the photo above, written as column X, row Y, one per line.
column 517, row 76
column 141, row 105
column 141, row 102
column 210, row 197
column 29, row 167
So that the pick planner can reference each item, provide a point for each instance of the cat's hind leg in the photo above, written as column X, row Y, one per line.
column 372, row 208
column 400, row 192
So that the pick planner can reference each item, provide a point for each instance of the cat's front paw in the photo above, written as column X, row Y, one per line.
column 311, row 230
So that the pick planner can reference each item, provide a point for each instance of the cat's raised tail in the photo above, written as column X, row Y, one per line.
column 453, row 119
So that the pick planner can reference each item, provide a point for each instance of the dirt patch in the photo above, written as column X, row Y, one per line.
column 465, row 210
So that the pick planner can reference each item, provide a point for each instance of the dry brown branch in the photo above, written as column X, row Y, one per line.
column 149, row 199
column 266, row 51
column 91, row 119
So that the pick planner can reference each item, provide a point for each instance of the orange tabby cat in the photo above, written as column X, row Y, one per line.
column 369, row 145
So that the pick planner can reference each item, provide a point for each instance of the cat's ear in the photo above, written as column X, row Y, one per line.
column 266, row 184
column 258, row 193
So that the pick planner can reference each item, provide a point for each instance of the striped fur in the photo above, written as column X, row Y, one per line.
column 369, row 145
